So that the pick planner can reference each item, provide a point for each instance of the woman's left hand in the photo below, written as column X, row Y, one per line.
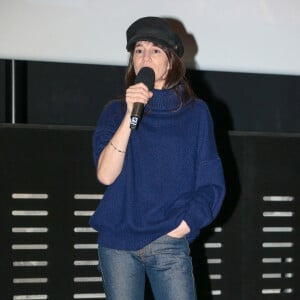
column 179, row 232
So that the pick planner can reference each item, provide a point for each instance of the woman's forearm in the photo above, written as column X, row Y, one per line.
column 112, row 157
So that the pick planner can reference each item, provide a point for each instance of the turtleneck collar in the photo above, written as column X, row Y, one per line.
column 163, row 100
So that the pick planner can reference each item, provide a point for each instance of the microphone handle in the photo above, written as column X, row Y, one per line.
column 136, row 114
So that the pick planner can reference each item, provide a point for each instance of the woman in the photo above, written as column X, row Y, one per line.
column 165, row 179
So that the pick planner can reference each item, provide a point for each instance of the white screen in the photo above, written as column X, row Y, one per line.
column 261, row 36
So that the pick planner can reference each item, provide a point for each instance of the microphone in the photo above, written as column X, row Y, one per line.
column 146, row 75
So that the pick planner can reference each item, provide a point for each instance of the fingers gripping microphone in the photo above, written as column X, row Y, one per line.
column 145, row 75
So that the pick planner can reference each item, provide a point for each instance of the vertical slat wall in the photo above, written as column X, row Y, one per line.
column 30, row 243
column 272, row 167
column 278, row 244
column 48, row 192
column 85, row 246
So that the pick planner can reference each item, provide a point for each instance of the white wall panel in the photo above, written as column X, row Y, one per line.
column 260, row 36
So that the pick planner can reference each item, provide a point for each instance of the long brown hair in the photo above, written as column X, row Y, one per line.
column 175, row 78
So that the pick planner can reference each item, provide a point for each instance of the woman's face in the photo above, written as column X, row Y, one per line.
column 146, row 54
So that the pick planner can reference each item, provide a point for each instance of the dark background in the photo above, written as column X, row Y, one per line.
column 228, row 262
column 48, row 150
column 74, row 94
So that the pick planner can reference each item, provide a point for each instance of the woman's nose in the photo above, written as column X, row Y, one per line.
column 147, row 56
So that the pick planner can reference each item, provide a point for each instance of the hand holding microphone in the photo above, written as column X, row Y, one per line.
column 147, row 76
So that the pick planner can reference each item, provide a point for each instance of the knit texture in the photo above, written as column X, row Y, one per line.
column 172, row 172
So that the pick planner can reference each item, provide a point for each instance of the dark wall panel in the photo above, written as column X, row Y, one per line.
column 48, row 184
column 70, row 93
column 75, row 94
column 42, row 171
column 251, row 102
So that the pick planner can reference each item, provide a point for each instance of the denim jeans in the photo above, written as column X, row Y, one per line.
column 166, row 261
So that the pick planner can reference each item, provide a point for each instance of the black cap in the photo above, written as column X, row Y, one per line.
column 153, row 29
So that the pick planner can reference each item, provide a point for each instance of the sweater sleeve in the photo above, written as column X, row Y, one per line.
column 107, row 124
column 209, row 186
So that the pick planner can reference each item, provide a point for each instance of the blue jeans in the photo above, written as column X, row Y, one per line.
column 166, row 261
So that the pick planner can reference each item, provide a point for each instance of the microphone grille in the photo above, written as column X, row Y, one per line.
column 146, row 75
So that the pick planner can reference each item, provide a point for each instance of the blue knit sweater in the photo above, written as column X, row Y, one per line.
column 172, row 172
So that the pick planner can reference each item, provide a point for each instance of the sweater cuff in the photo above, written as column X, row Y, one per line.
column 199, row 218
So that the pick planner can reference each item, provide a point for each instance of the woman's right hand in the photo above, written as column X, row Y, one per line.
column 137, row 93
